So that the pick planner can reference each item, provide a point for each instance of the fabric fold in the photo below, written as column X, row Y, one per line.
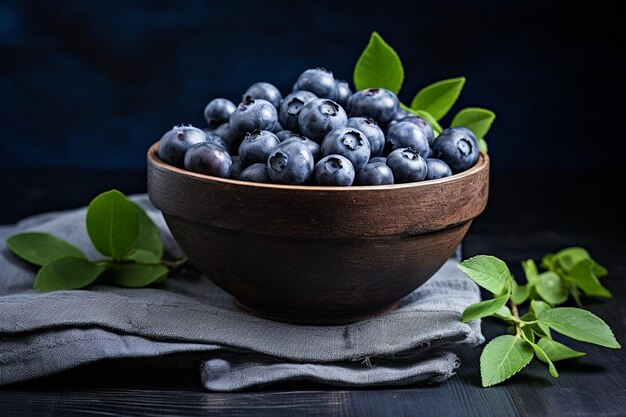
column 43, row 333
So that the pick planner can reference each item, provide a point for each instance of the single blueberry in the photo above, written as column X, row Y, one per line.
column 320, row 116
column 407, row 165
column 374, row 173
column 311, row 145
column 290, row 163
column 237, row 167
column 174, row 143
column 425, row 127
column 318, row 81
column 224, row 131
column 283, row 135
column 209, row 159
column 372, row 132
column 378, row 159
column 211, row 137
column 256, row 173
column 343, row 93
column 263, row 91
column 401, row 114
column 376, row 103
column 291, row 106
column 334, row 170
column 437, row 169
column 253, row 114
column 457, row 147
column 256, row 147
column 348, row 142
column 407, row 135
column 218, row 111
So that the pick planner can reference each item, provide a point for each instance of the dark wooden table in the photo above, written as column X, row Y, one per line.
column 528, row 215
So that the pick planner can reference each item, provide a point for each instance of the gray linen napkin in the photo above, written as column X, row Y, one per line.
column 43, row 333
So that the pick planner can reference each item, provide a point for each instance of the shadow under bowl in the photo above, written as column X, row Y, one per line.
column 317, row 255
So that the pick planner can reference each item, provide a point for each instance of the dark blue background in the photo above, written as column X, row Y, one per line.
column 93, row 83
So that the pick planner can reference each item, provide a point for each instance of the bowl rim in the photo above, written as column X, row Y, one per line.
column 482, row 163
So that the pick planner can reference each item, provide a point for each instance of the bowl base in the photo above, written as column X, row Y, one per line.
column 317, row 318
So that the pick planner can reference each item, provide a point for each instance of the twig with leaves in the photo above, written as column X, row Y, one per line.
column 571, row 271
column 120, row 230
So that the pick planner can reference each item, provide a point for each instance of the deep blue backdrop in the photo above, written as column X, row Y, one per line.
column 92, row 84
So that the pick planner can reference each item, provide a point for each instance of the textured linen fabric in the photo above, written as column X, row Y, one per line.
column 44, row 333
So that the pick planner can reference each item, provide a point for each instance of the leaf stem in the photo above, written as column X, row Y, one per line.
column 170, row 264
column 517, row 321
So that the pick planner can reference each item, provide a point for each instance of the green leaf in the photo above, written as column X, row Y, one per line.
column 112, row 224
column 438, row 98
column 579, row 324
column 482, row 145
column 137, row 275
column 426, row 116
column 599, row 270
column 539, row 352
column 556, row 351
column 148, row 237
column 503, row 312
column 41, row 248
column 67, row 274
column 142, row 255
column 537, row 308
column 548, row 261
column 475, row 119
column 487, row 271
column 379, row 66
column 502, row 358
column 582, row 276
column 530, row 271
column 528, row 334
column 550, row 287
column 569, row 257
column 520, row 293
column 484, row 308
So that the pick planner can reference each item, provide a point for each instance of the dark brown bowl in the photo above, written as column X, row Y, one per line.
column 317, row 254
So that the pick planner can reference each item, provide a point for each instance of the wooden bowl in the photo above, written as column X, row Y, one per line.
column 310, row 254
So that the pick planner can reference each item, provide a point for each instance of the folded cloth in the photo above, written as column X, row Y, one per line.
column 44, row 333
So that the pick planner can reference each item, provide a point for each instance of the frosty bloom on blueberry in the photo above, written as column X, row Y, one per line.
column 319, row 134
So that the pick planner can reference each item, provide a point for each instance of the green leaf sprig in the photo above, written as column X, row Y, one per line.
column 120, row 230
column 379, row 66
column 571, row 271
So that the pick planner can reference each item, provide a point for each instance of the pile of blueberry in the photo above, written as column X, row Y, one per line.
column 319, row 134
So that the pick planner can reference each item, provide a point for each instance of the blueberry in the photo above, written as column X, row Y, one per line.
column 313, row 147
column 457, row 147
column 402, row 114
column 419, row 122
column 225, row 132
column 318, row 81
column 256, row 173
column 407, row 135
column 378, row 159
column 263, row 91
column 283, row 135
column 277, row 127
column 376, row 103
column 211, row 137
column 253, row 114
column 348, row 142
column 291, row 106
column 407, row 165
column 375, row 173
column 256, row 147
column 320, row 116
column 437, row 169
column 209, row 159
column 175, row 143
column 237, row 167
column 334, row 170
column 290, row 163
column 343, row 93
column 372, row 132
column 218, row 111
